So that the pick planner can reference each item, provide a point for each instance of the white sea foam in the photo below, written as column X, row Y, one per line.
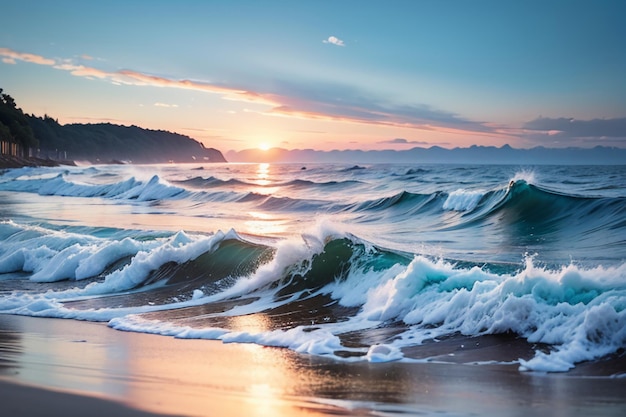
column 463, row 200
column 155, row 189
column 179, row 248
column 56, row 255
column 383, row 353
column 525, row 175
column 299, row 339
column 129, row 189
column 573, row 309
column 582, row 312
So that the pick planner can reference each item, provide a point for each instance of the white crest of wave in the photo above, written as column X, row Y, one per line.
column 463, row 200
column 58, row 255
column 179, row 248
column 290, row 254
column 525, row 175
column 155, row 188
column 42, row 251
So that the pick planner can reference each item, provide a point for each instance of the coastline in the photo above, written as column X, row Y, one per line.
column 8, row 162
column 140, row 374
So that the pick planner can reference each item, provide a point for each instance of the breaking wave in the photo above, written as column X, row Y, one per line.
column 311, row 295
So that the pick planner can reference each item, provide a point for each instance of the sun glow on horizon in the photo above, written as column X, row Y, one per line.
column 264, row 146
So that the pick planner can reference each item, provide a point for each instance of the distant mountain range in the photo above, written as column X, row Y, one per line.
column 506, row 155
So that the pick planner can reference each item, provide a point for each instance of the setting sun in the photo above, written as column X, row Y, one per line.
column 264, row 146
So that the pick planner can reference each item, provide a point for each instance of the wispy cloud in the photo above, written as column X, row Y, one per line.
column 130, row 77
column 402, row 141
column 570, row 127
column 334, row 41
column 88, row 72
column 159, row 104
column 13, row 56
column 564, row 131
column 366, row 111
column 312, row 101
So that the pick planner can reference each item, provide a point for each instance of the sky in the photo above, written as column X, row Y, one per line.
column 326, row 74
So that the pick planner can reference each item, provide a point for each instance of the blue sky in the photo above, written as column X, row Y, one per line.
column 326, row 74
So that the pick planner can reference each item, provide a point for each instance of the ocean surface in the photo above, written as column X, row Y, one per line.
column 359, row 263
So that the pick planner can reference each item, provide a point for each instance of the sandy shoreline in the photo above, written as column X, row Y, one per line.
column 79, row 364
column 24, row 400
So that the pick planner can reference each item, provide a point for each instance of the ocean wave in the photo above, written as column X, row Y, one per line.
column 319, row 291
column 210, row 182
column 404, row 199
column 565, row 309
column 306, row 184
column 451, row 252
column 298, row 184
column 129, row 189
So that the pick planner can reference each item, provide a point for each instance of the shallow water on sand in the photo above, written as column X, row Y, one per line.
column 199, row 378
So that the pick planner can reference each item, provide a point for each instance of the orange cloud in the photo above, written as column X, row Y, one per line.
column 83, row 71
column 298, row 104
column 385, row 119
column 159, row 104
column 131, row 77
column 13, row 56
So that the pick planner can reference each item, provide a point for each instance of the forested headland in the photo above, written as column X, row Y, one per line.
column 32, row 140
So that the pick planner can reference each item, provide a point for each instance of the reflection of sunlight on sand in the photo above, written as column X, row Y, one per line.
column 161, row 374
column 208, row 378
column 278, row 380
column 70, row 361
column 262, row 396
column 200, row 377
column 251, row 323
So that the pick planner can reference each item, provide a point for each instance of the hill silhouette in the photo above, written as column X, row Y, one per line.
column 28, row 140
column 105, row 142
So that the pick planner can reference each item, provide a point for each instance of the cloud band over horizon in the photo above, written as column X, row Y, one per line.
column 321, row 104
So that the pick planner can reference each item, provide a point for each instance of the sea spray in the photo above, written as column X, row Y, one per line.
column 462, row 200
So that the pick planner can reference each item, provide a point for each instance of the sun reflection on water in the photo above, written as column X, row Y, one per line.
column 263, row 173
column 265, row 224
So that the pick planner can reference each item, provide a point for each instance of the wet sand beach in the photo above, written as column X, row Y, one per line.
column 62, row 367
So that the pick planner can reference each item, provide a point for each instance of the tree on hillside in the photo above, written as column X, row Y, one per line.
column 5, row 132
column 16, row 121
